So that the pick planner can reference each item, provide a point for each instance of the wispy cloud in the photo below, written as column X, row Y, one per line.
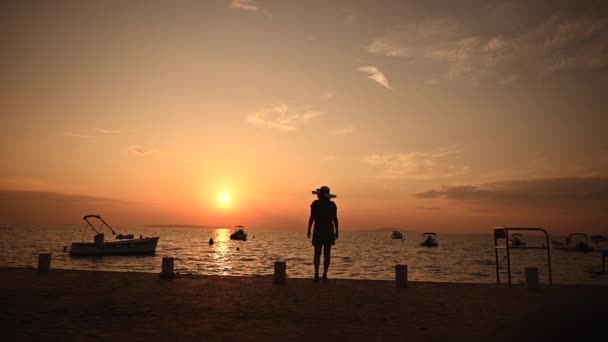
column 522, row 192
column 350, row 19
column 440, row 163
column 281, row 117
column 375, row 74
column 106, row 131
column 77, row 135
column 460, row 49
column 349, row 129
column 246, row 5
column 143, row 151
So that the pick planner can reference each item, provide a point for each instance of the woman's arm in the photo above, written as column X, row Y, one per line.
column 336, row 226
column 311, row 219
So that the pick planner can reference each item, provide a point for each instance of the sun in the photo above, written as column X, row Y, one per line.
column 224, row 200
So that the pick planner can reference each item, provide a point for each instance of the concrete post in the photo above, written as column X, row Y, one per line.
column 44, row 263
column 532, row 278
column 167, row 268
column 280, row 272
column 401, row 275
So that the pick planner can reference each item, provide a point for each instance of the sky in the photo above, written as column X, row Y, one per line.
column 420, row 115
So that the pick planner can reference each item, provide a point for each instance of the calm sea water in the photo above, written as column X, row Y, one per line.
column 357, row 255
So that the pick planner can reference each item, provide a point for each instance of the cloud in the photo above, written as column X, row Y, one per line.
column 142, row 151
column 543, row 190
column 344, row 130
column 376, row 75
column 437, row 164
column 466, row 49
column 350, row 19
column 77, row 135
column 105, row 131
column 246, row 5
column 282, row 118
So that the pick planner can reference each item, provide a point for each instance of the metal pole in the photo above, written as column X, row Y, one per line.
column 548, row 244
column 496, row 259
column 508, row 255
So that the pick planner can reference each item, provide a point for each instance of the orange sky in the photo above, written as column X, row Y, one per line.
column 418, row 114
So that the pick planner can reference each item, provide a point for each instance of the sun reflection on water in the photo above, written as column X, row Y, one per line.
column 222, row 254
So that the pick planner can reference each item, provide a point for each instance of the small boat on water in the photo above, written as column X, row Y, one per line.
column 516, row 240
column 239, row 234
column 396, row 235
column 429, row 239
column 125, row 244
column 599, row 238
column 575, row 242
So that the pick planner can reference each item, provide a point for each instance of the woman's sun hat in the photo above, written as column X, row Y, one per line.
column 324, row 190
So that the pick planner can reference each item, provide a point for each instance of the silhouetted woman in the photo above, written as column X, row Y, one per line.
column 324, row 215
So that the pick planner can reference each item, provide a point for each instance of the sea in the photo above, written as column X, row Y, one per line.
column 356, row 255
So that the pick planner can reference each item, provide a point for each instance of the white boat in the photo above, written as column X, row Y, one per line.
column 395, row 234
column 239, row 234
column 575, row 242
column 517, row 240
column 429, row 239
column 124, row 244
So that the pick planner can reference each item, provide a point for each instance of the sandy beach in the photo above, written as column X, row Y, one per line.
column 86, row 306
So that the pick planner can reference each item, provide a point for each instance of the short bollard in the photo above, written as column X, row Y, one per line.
column 532, row 278
column 44, row 263
column 280, row 272
column 401, row 275
column 167, row 269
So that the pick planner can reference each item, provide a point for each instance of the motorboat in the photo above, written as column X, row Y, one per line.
column 516, row 240
column 124, row 244
column 576, row 242
column 396, row 235
column 429, row 239
column 599, row 238
column 239, row 234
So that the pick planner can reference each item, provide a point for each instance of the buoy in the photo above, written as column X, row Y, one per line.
column 211, row 241
column 401, row 275
column 238, row 248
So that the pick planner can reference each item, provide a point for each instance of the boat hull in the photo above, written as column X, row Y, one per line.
column 124, row 247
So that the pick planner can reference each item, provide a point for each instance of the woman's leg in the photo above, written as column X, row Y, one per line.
column 326, row 259
column 317, row 260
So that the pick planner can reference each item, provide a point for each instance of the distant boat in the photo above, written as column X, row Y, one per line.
column 575, row 242
column 239, row 234
column 395, row 234
column 599, row 238
column 126, row 244
column 429, row 239
column 516, row 240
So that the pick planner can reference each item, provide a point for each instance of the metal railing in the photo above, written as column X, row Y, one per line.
column 503, row 233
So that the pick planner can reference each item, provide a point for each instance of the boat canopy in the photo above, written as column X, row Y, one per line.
column 103, row 223
column 577, row 234
column 429, row 233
